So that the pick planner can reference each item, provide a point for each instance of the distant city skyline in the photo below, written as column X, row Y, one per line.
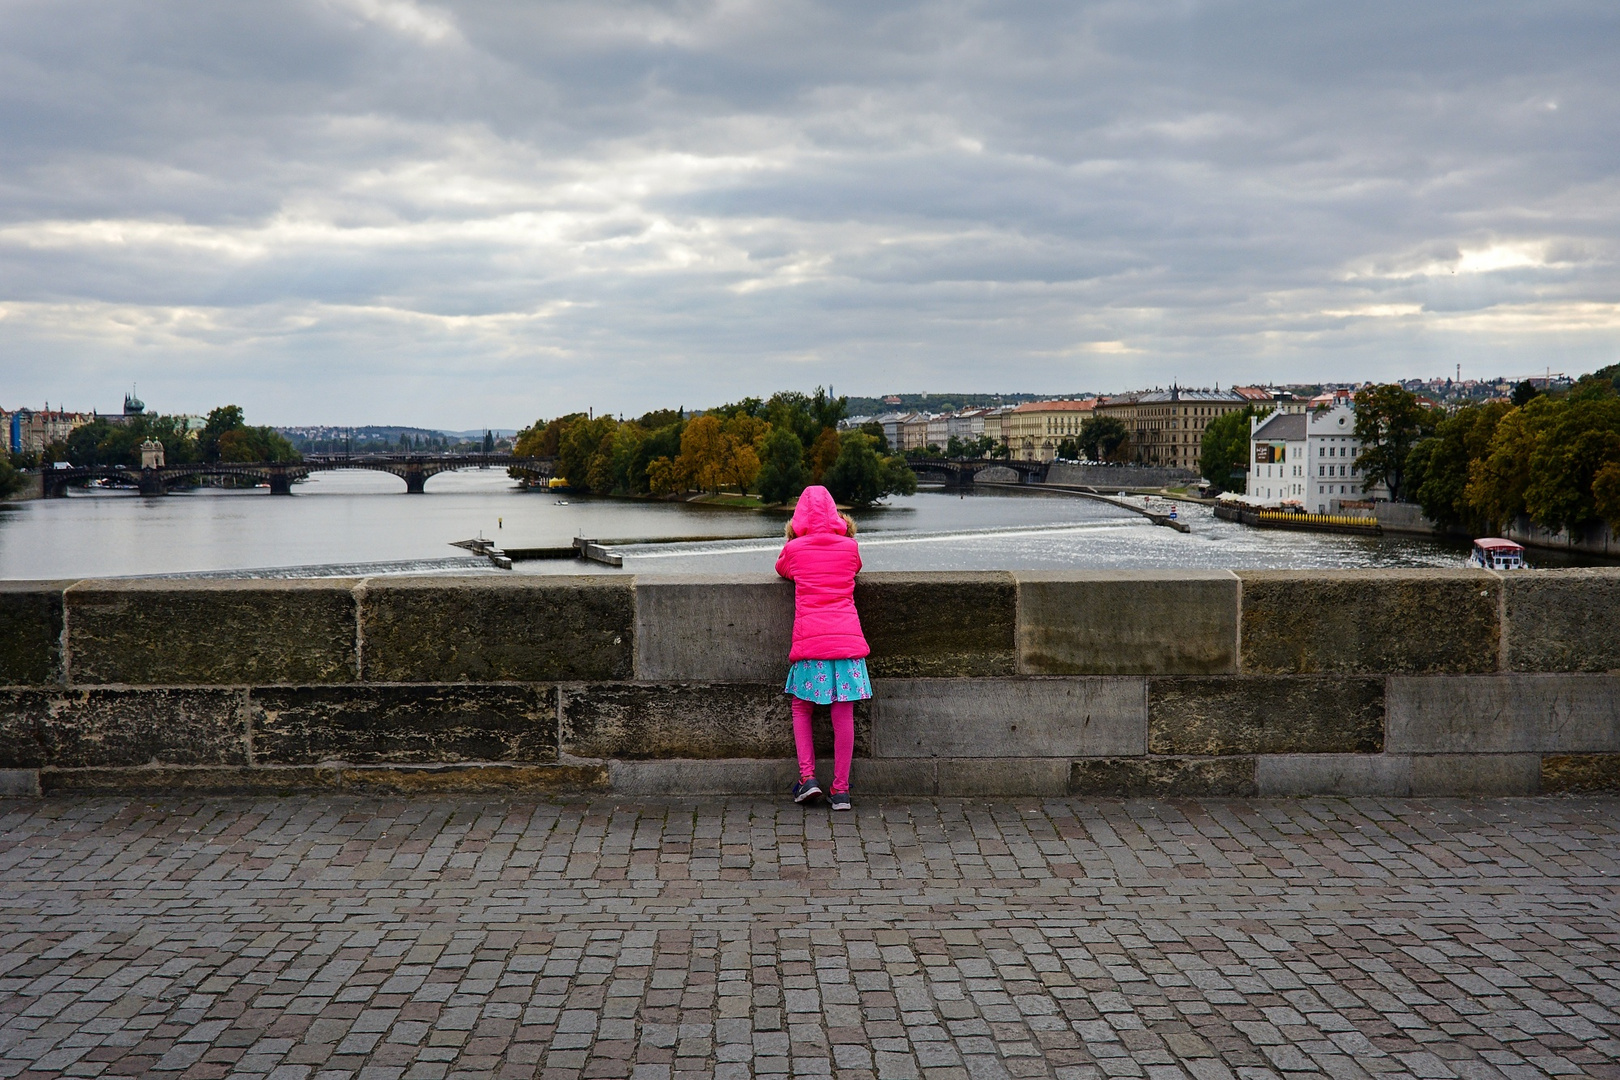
column 326, row 429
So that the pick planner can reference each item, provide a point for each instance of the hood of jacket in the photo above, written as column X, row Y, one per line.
column 817, row 513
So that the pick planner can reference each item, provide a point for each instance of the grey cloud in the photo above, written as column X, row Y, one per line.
column 471, row 213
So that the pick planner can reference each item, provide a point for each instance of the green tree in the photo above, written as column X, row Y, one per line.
column 255, row 444
column 875, row 429
column 1437, row 469
column 101, row 442
column 1224, row 456
column 823, row 452
column 782, row 474
column 1389, row 422
column 860, row 476
column 10, row 479
column 1498, row 480
column 1606, row 494
column 221, row 420
column 663, row 442
column 1524, row 394
column 1104, row 438
column 1577, row 443
column 626, row 453
column 1600, row 384
column 585, row 453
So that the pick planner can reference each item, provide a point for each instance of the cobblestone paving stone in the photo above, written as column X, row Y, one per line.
column 317, row 937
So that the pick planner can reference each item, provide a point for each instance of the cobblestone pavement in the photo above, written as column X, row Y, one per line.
column 1077, row 939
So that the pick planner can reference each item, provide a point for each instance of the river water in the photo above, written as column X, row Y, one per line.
column 363, row 523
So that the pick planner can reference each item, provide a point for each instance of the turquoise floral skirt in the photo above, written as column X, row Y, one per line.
column 826, row 681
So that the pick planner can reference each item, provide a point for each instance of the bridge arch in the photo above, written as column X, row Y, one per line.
column 958, row 472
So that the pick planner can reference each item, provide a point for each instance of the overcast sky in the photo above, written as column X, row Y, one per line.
column 453, row 215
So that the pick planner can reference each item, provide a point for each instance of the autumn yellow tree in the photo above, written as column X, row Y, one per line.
column 717, row 454
column 665, row 476
column 823, row 452
column 703, row 451
column 744, row 437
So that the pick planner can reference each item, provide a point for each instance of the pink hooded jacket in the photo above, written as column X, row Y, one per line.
column 822, row 560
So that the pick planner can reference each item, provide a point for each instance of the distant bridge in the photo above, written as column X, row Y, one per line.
column 414, row 469
column 960, row 472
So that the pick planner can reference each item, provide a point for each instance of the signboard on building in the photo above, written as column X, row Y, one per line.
column 1270, row 453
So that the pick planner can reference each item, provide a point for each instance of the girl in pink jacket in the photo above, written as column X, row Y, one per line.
column 829, row 650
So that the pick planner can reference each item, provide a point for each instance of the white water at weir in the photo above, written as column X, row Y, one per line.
column 351, row 524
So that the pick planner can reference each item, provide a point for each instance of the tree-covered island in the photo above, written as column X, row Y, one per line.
column 750, row 453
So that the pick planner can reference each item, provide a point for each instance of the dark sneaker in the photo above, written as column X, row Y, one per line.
column 839, row 800
column 806, row 791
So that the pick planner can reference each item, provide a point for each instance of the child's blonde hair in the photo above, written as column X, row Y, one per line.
column 849, row 527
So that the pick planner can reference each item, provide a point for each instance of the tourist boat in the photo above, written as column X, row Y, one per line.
column 1494, row 553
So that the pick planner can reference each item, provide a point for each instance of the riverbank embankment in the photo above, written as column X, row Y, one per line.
column 33, row 487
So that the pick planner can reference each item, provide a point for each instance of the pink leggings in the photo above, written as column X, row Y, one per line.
column 843, row 725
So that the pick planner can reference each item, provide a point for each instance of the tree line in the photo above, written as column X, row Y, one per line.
column 225, row 436
column 771, row 447
column 1553, row 459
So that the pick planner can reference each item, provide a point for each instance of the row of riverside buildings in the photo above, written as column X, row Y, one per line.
column 30, row 431
column 1302, row 455
column 1166, row 427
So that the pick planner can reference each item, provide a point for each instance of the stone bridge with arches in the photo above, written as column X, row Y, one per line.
column 961, row 472
column 414, row 469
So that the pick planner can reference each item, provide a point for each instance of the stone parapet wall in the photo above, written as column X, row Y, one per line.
column 1136, row 683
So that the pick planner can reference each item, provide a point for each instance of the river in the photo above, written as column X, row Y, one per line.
column 363, row 523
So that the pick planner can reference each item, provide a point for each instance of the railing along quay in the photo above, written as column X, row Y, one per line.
column 1288, row 519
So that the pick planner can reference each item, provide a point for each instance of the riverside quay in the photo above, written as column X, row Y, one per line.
column 1168, row 826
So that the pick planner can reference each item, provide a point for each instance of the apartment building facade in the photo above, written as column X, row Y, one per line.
column 1033, row 430
column 1166, row 427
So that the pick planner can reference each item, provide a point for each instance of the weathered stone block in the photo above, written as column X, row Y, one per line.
column 1476, row 774
column 69, row 729
column 959, row 625
column 1162, row 777
column 1266, row 715
column 1127, row 622
column 19, row 783
column 1022, row 718
column 211, row 633
column 307, row 725
column 507, row 629
column 713, row 629
column 684, row 777
column 1392, row 621
column 1333, row 774
column 689, row 720
column 1481, row 714
column 1579, row 774
column 1003, row 777
column 1562, row 620
column 31, row 632
column 891, row 776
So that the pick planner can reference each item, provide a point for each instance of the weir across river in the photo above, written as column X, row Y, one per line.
column 414, row 469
